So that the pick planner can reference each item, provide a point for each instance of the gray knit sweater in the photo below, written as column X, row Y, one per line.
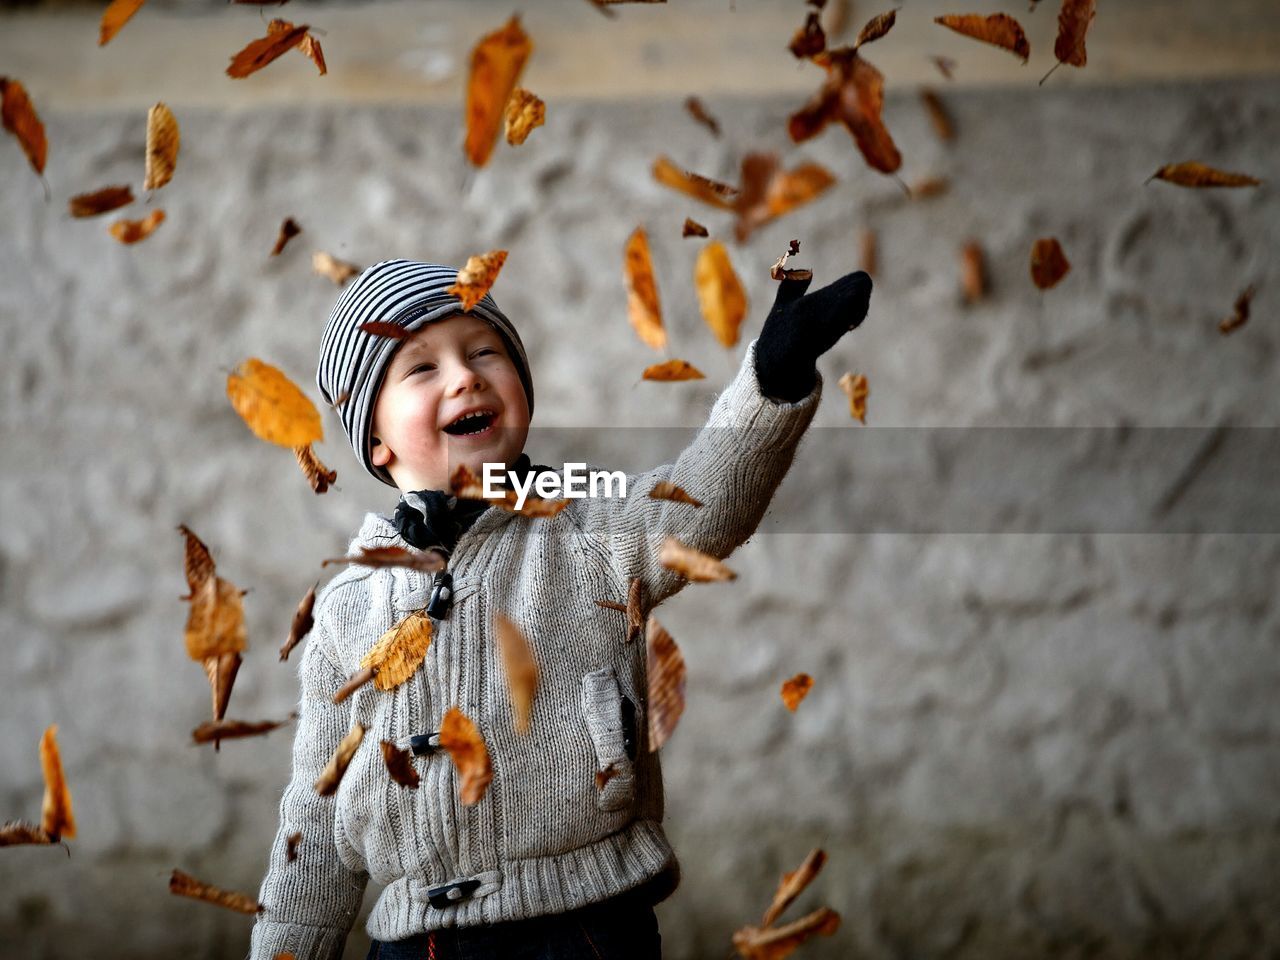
column 543, row 839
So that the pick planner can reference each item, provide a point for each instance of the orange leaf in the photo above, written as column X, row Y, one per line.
column 768, row 191
column 856, row 389
column 17, row 832
column 643, row 309
column 100, row 201
column 288, row 230
column 339, row 271
column 460, row 736
column 131, row 231
column 1074, row 18
column 524, row 112
column 317, row 474
column 1240, row 316
column 1048, row 263
column 666, row 490
column 520, row 668
column 354, row 683
column 214, row 731
column 665, row 668
column 310, row 48
column 876, row 28
column 756, row 944
column 809, row 40
column 272, row 405
column 477, row 276
column 197, row 561
column 496, row 63
column 698, row 110
column 221, row 671
column 693, row 565
column 215, row 620
column 999, row 29
column 428, row 561
column 162, row 147
column 185, row 885
column 796, row 689
column 400, row 765
column 115, row 17
column 1193, row 174
column 928, row 187
column 867, row 252
column 301, row 625
column 793, row 884
column 670, row 371
column 262, row 51
column 695, row 185
column 973, row 273
column 399, row 652
column 327, row 783
column 19, row 118
column 854, row 95
column 779, row 270
column 693, row 229
column 720, row 295
column 56, row 818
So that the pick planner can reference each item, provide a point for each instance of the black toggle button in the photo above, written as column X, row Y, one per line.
column 424, row 744
column 451, row 893
column 441, row 595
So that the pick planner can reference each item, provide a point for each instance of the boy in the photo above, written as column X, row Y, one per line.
column 547, row 864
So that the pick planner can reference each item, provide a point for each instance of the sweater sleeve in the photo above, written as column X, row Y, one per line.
column 734, row 465
column 312, row 902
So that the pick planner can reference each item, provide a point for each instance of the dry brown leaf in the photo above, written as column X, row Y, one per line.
column 1240, row 313
column 466, row 485
column 698, row 110
column 793, row 884
column 163, row 141
column 310, row 48
column 262, row 51
column 428, row 561
column 852, row 94
column 20, row 119
column 17, row 832
column 400, row 765
column 272, row 405
column 460, row 736
column 809, row 40
column 973, row 273
column 612, row 605
column 197, row 561
column 385, row 328
column 318, row 475
column 221, row 671
column 399, row 652
column 1194, row 174
column 56, row 818
column 643, row 309
column 635, row 609
column 938, row 115
column 288, row 230
column 100, row 201
column 876, row 28
column 1048, row 263
column 477, row 276
column 1074, row 18
column 524, row 112
column 867, row 244
column 327, row 265
column 331, row 776
column 131, row 231
column 709, row 191
column 692, row 564
column 302, row 623
column 768, row 191
column 999, row 29
column 946, row 66
column 693, row 229
column 604, row 776
column 720, row 295
column 753, row 943
column 185, row 885
column 521, row 670
column 354, row 683
column 215, row 620
column 796, row 689
column 670, row 371
column 666, row 490
column 116, row 16
column 496, row 62
column 779, row 271
column 291, row 854
column 929, row 187
column 665, row 668
column 856, row 389
column 214, row 731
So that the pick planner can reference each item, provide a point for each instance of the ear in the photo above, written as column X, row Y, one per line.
column 381, row 455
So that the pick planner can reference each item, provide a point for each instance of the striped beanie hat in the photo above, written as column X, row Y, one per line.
column 409, row 294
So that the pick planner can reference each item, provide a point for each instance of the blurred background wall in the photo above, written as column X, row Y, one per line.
column 1028, row 736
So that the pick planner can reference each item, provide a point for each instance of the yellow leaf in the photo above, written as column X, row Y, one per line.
column 525, row 111
column 461, row 737
column 720, row 294
column 162, row 146
column 398, row 652
column 477, row 276
column 496, row 63
column 56, row 818
column 643, row 309
column 272, row 405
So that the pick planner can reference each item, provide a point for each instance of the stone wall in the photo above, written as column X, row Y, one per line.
column 1050, row 742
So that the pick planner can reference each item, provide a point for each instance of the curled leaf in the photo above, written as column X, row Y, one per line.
column 398, row 652
column 477, row 276
column 670, row 371
column 17, row 832
column 693, row 565
column 524, row 112
column 318, row 475
column 400, row 765
column 1194, row 174
column 779, row 270
column 693, row 229
column 666, row 673
column 116, row 16
column 793, row 884
column 998, row 29
column 698, row 110
column 185, row 885
column 163, row 141
column 197, row 561
column 288, row 230
column 853, row 94
column 666, row 490
column 461, row 738
column 302, row 623
column 796, row 689
column 331, row 776
column 272, row 406
column 221, row 671
column 100, row 201
column 720, row 295
column 214, row 731
column 1240, row 312
column 428, row 561
column 643, row 308
column 753, row 943
column 856, row 390
column 768, row 191
column 131, row 231
column 876, row 28
column 695, row 185
column 278, row 41
column 1048, row 263
column 496, row 63
column 310, row 48
column 521, row 670
column 1074, row 19
column 19, row 117
column 327, row 265
column 56, row 818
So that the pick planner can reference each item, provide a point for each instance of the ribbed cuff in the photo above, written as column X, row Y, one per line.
column 760, row 420
column 305, row 943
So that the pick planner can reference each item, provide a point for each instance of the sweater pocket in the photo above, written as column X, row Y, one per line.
column 613, row 721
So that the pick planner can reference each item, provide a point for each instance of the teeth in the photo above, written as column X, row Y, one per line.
column 477, row 415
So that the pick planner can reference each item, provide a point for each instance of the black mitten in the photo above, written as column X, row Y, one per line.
column 800, row 328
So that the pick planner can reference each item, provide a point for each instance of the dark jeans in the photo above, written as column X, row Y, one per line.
column 623, row 928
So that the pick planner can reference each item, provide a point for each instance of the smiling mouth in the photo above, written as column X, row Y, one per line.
column 472, row 425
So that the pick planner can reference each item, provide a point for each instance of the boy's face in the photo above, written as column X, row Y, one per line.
column 440, row 372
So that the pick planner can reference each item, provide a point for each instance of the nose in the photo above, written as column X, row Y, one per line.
column 465, row 379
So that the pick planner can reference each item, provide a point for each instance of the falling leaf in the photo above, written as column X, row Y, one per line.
column 318, row 475
column 116, row 16
column 288, row 230
column 612, row 605
column 695, row 185
column 100, row 201
column 999, row 29
column 946, row 66
column 1048, row 263
column 796, row 689
column 354, row 683
column 793, row 884
column 973, row 273
column 56, row 818
column 262, row 51
column 477, row 276
column 221, row 671
column 768, row 191
column 666, row 490
column 460, row 736
column 197, row 561
column 670, row 371
column 809, row 40
column 302, row 623
column 521, row 670
column 331, row 776
column 1074, row 19
column 867, row 252
column 635, row 609
column 496, row 63
column 131, row 231
column 327, row 265
column 272, row 405
column 20, row 119
column 852, row 94
column 215, row 621
column 185, row 885
column 937, row 115
column 524, row 112
column 720, row 295
column 643, row 309
column 398, row 652
column 17, row 832
column 291, row 851
column 753, row 943
column 693, row 565
column 929, row 187
column 213, row 731
column 698, row 110
column 1240, row 315
column 385, row 328
column 162, row 147
column 876, row 28
column 1193, row 174
column 665, row 668
column 429, row 561
column 856, row 390
column 400, row 765
column 467, row 486
column 779, row 271
column 693, row 229
column 310, row 48
column 604, row 776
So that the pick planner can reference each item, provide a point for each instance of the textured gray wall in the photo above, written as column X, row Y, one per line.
column 1019, row 744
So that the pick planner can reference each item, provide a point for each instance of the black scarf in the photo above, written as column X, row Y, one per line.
column 437, row 518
